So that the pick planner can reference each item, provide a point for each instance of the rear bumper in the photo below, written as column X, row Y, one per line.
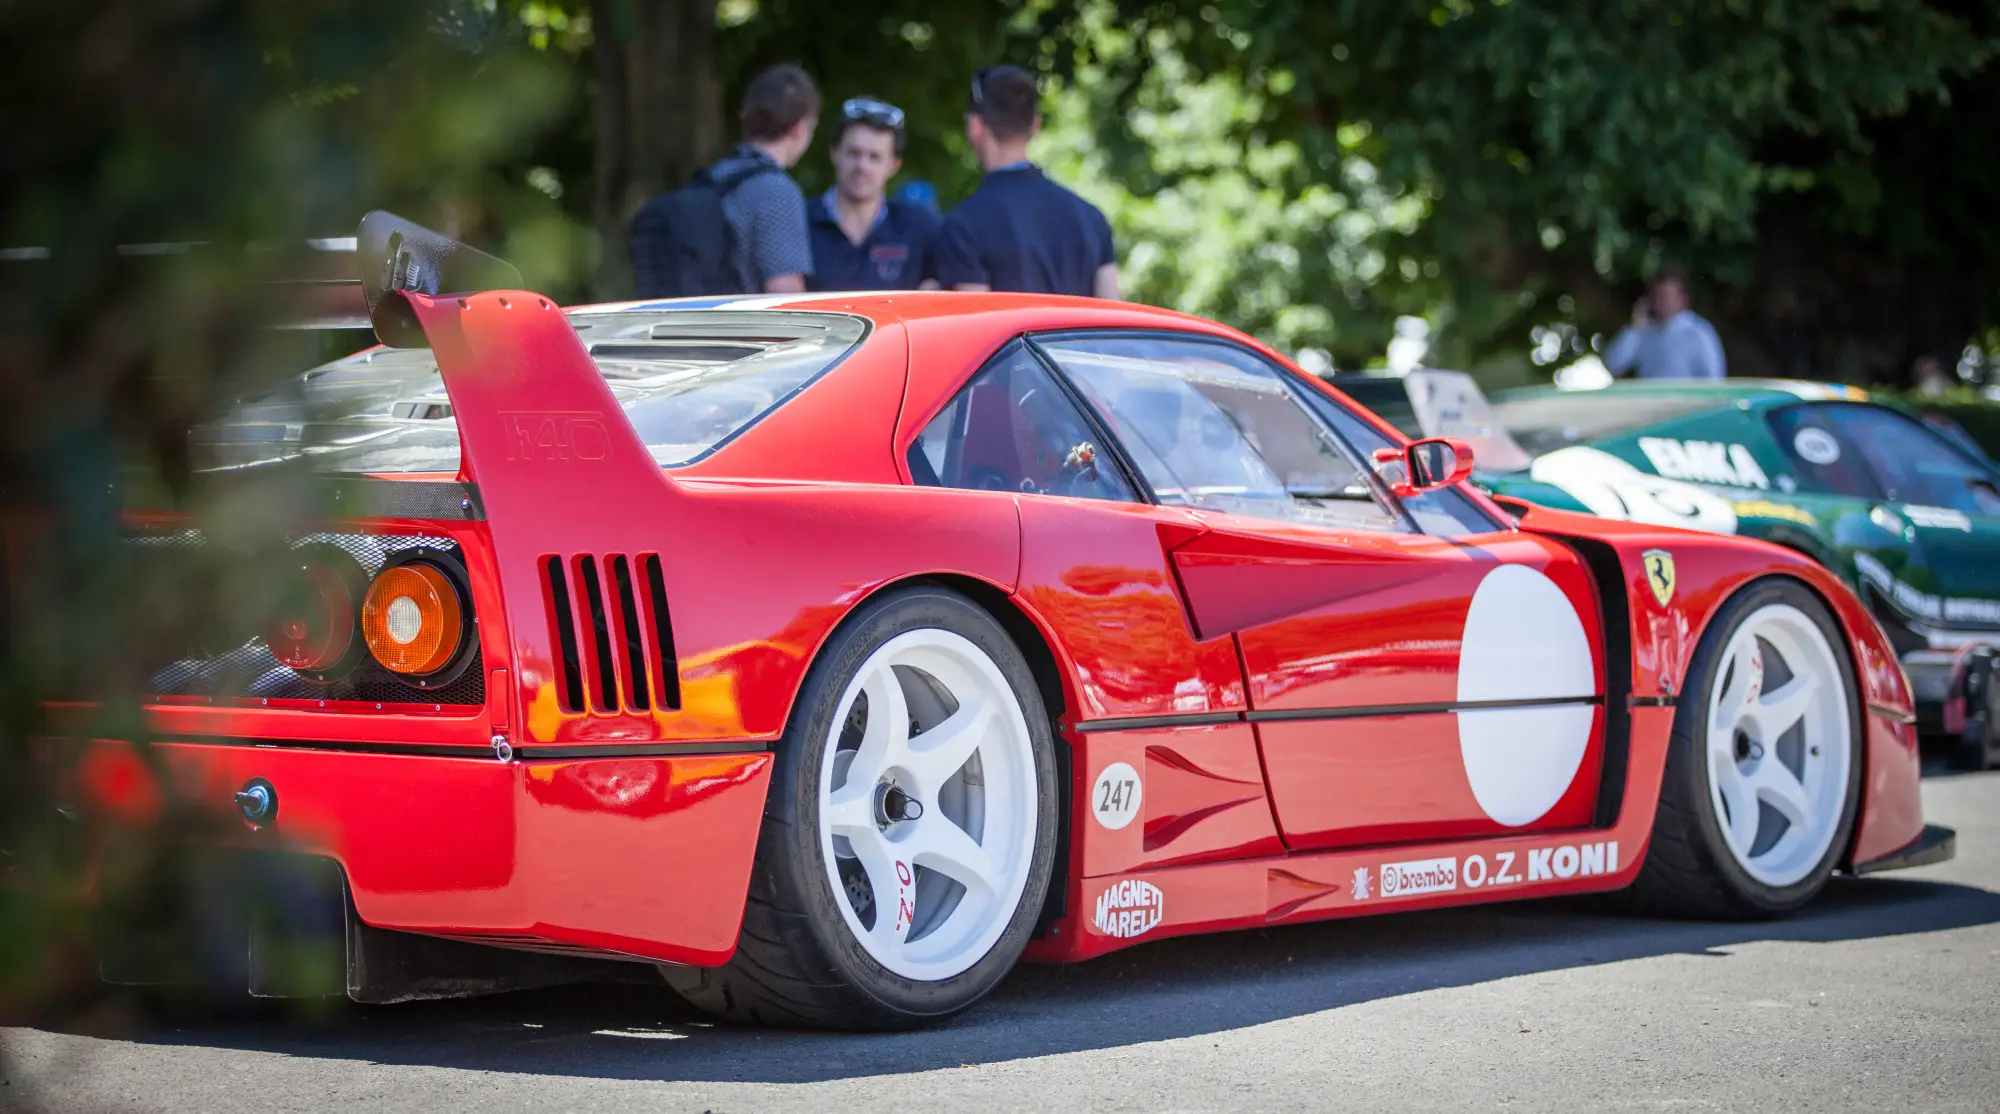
column 1937, row 844
column 644, row 857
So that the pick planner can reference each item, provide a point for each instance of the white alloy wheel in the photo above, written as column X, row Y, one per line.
column 928, row 804
column 1779, row 745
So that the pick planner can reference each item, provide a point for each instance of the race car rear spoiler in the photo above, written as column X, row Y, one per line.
column 565, row 479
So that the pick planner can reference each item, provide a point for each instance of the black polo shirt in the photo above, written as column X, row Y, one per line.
column 1021, row 232
column 897, row 254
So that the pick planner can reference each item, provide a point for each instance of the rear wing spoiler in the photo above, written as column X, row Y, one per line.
column 563, row 476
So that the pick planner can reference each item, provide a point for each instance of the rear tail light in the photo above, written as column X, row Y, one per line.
column 413, row 619
column 314, row 631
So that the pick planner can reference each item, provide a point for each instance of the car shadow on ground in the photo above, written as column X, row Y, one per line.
column 1160, row 991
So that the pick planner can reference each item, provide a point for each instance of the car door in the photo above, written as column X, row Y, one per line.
column 1407, row 682
column 1937, row 497
column 1162, row 757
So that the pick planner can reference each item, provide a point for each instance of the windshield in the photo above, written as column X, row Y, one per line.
column 688, row 380
column 1542, row 423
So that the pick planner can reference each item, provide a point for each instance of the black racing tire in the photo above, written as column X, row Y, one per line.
column 1689, row 870
column 797, row 963
column 1978, row 746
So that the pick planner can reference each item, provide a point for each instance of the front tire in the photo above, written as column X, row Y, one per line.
column 909, row 835
column 1763, row 771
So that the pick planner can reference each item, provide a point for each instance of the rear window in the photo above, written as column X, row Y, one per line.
column 1543, row 423
column 689, row 380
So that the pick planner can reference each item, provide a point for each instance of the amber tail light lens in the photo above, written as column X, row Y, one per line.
column 412, row 619
column 315, row 626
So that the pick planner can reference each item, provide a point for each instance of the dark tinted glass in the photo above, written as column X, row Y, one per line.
column 1212, row 426
column 1821, row 454
column 1013, row 429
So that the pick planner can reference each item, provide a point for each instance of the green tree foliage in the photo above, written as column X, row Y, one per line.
column 1825, row 166
column 167, row 162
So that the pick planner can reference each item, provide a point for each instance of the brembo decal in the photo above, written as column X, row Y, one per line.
column 1424, row 876
column 1713, row 462
column 1114, row 798
column 1556, row 862
column 1129, row 908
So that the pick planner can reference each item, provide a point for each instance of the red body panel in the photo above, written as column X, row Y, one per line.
column 1182, row 641
column 1115, row 617
column 636, row 856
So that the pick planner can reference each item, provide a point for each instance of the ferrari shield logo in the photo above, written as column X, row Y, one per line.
column 1660, row 574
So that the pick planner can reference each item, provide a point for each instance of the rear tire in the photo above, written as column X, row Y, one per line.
column 1763, row 771
column 909, row 834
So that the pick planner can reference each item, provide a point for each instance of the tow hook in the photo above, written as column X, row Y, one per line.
column 258, row 800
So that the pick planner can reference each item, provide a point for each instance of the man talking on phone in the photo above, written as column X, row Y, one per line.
column 1666, row 339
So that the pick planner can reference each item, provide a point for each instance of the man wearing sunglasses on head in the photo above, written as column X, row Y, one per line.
column 862, row 240
column 1019, row 231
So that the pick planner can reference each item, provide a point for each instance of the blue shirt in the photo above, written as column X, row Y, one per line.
column 898, row 253
column 1021, row 232
column 767, row 219
column 1683, row 346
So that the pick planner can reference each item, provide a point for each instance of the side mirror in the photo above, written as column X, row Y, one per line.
column 1423, row 465
column 396, row 254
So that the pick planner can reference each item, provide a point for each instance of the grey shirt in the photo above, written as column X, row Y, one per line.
column 767, row 220
column 1682, row 347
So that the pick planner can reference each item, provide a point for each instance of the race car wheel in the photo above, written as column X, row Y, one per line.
column 910, row 830
column 1979, row 744
column 1763, row 770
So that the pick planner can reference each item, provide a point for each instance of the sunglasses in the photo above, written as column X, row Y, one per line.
column 868, row 110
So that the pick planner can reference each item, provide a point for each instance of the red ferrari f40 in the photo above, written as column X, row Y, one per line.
column 830, row 654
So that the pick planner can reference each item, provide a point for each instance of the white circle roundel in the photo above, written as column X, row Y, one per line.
column 1816, row 445
column 1523, row 641
column 1114, row 800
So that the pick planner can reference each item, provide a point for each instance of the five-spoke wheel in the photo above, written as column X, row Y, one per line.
column 910, row 834
column 1778, row 751
column 1763, row 771
column 928, row 804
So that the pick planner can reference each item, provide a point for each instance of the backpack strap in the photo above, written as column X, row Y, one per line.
column 726, row 184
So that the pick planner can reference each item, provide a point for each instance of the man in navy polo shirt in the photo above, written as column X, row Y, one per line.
column 1018, row 230
column 861, row 240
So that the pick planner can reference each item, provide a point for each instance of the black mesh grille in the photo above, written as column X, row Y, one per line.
column 250, row 672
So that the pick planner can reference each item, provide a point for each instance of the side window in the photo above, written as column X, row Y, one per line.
column 1213, row 427
column 1013, row 429
column 1444, row 512
column 1825, row 460
column 1912, row 464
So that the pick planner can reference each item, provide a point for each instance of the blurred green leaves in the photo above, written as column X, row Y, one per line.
column 167, row 162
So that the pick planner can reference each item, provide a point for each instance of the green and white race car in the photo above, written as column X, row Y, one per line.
column 1906, row 509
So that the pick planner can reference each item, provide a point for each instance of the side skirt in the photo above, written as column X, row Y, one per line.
column 1112, row 911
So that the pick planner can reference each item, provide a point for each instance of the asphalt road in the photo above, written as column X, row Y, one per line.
column 1885, row 995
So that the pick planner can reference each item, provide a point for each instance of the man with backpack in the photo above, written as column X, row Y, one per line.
column 740, row 226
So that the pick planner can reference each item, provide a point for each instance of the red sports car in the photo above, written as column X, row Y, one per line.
column 833, row 653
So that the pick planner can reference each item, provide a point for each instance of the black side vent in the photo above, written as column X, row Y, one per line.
column 666, row 664
column 563, row 618
column 602, row 665
column 611, row 665
column 632, row 664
